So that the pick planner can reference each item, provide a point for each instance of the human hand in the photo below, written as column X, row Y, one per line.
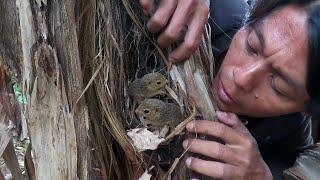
column 237, row 158
column 170, row 20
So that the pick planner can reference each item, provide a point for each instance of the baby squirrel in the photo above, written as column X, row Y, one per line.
column 159, row 114
column 148, row 86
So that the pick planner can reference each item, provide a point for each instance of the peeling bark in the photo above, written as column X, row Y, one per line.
column 10, row 42
column 63, row 28
column 50, row 122
column 11, row 160
column 52, row 79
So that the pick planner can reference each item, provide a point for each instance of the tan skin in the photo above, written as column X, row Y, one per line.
column 257, row 78
column 254, row 76
column 171, row 17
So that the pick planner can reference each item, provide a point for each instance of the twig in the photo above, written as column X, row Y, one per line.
column 90, row 82
column 182, row 125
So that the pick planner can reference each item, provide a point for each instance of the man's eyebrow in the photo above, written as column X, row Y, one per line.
column 290, row 81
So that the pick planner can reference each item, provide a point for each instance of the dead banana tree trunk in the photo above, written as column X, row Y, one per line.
column 48, row 51
column 52, row 80
column 74, row 60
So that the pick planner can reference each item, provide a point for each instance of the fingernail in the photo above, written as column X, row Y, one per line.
column 190, row 125
column 188, row 161
column 172, row 59
column 185, row 144
column 221, row 114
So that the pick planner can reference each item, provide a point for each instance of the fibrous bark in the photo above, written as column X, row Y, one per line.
column 74, row 60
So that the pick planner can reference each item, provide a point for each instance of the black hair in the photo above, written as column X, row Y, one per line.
column 313, row 85
column 262, row 8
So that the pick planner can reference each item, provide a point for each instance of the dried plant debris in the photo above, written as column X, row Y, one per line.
column 144, row 139
column 145, row 176
column 156, row 106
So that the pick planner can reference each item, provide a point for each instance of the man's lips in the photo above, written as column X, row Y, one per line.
column 223, row 94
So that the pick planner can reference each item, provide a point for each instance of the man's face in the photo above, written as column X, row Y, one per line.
column 263, row 73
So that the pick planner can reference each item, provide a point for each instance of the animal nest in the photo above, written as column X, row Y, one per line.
column 144, row 101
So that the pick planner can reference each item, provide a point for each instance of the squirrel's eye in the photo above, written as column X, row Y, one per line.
column 146, row 111
column 158, row 82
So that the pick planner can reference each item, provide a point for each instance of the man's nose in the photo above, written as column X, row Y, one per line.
column 247, row 76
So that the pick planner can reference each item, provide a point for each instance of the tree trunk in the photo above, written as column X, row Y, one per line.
column 46, row 46
column 39, row 51
column 73, row 59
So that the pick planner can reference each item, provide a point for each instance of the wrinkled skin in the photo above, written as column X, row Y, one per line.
column 239, row 156
column 255, row 79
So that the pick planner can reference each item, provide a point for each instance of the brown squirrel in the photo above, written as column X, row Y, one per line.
column 159, row 114
column 148, row 86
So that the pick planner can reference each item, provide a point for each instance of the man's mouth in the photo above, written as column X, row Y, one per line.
column 224, row 95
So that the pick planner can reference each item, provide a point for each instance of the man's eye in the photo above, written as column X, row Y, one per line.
column 250, row 49
column 274, row 87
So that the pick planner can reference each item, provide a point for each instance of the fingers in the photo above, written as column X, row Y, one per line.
column 172, row 18
column 146, row 6
column 212, row 149
column 161, row 17
column 193, row 37
column 228, row 119
column 178, row 21
column 216, row 129
column 210, row 168
column 231, row 120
